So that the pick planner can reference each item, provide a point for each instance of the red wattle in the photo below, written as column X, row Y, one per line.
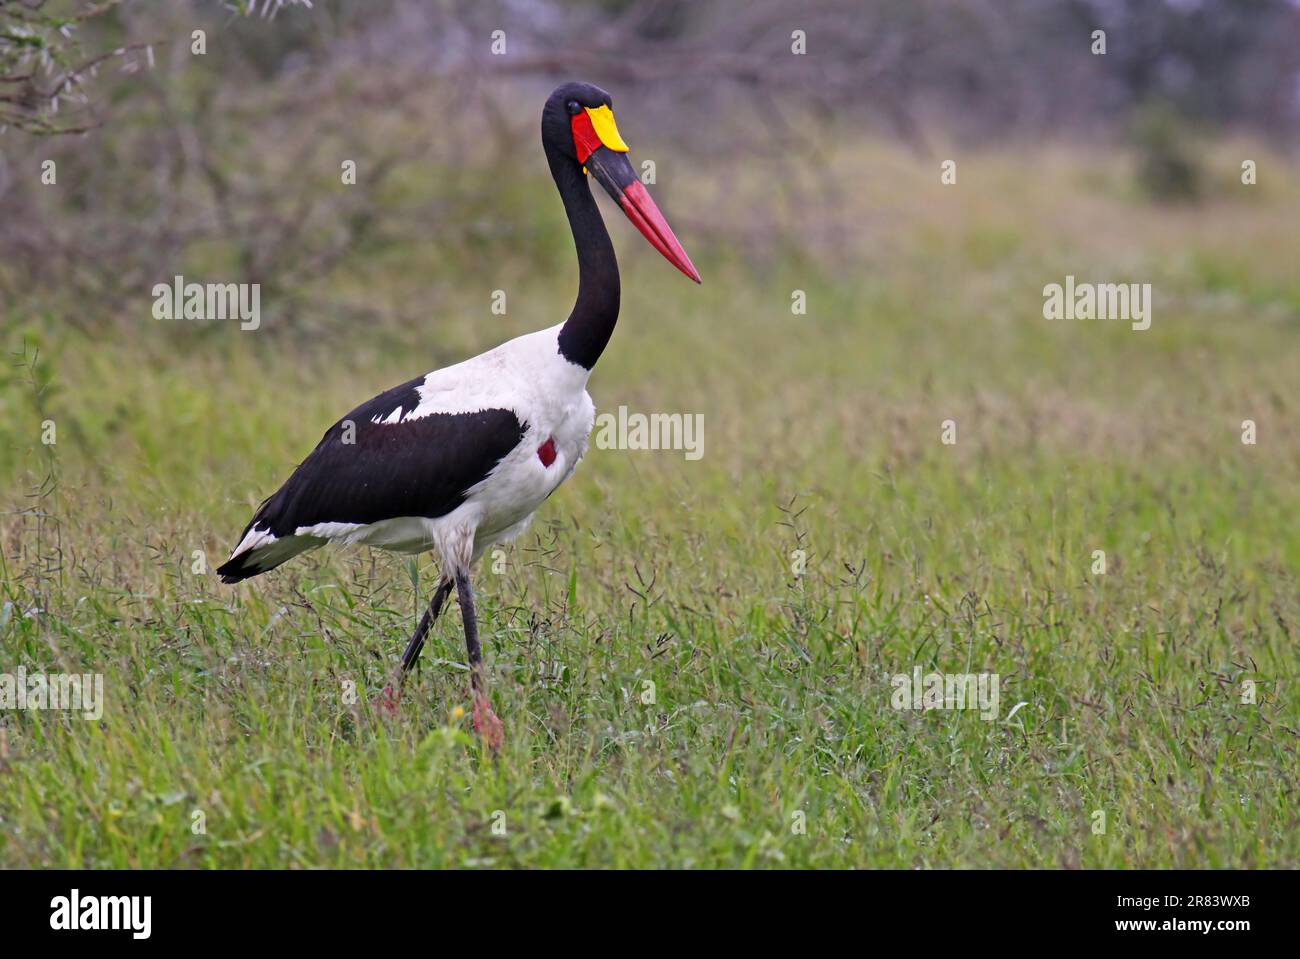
column 585, row 139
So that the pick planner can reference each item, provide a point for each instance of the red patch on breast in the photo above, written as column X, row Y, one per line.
column 546, row 452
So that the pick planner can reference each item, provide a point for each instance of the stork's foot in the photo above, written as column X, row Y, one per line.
column 487, row 725
column 388, row 700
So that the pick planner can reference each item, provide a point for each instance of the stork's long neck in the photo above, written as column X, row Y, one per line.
column 591, row 324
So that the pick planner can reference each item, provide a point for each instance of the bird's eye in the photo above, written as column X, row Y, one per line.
column 574, row 108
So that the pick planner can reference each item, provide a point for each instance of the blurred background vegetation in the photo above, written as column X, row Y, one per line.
column 228, row 163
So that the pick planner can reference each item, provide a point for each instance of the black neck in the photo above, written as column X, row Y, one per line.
column 591, row 324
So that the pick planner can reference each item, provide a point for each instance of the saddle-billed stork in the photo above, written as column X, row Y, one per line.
column 459, row 459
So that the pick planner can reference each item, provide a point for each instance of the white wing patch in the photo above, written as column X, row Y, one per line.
column 252, row 540
column 266, row 550
column 335, row 531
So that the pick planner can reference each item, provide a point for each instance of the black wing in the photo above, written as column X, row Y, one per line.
column 364, row 471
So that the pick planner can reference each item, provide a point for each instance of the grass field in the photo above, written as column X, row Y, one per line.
column 229, row 738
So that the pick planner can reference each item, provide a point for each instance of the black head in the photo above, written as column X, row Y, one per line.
column 567, row 101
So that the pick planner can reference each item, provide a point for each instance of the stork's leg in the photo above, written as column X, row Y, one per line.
column 426, row 622
column 486, row 723
column 392, row 693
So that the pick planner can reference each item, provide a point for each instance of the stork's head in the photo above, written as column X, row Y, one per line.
column 578, row 125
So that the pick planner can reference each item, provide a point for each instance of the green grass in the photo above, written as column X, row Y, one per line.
column 772, row 693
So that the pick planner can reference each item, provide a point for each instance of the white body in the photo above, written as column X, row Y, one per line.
column 527, row 375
